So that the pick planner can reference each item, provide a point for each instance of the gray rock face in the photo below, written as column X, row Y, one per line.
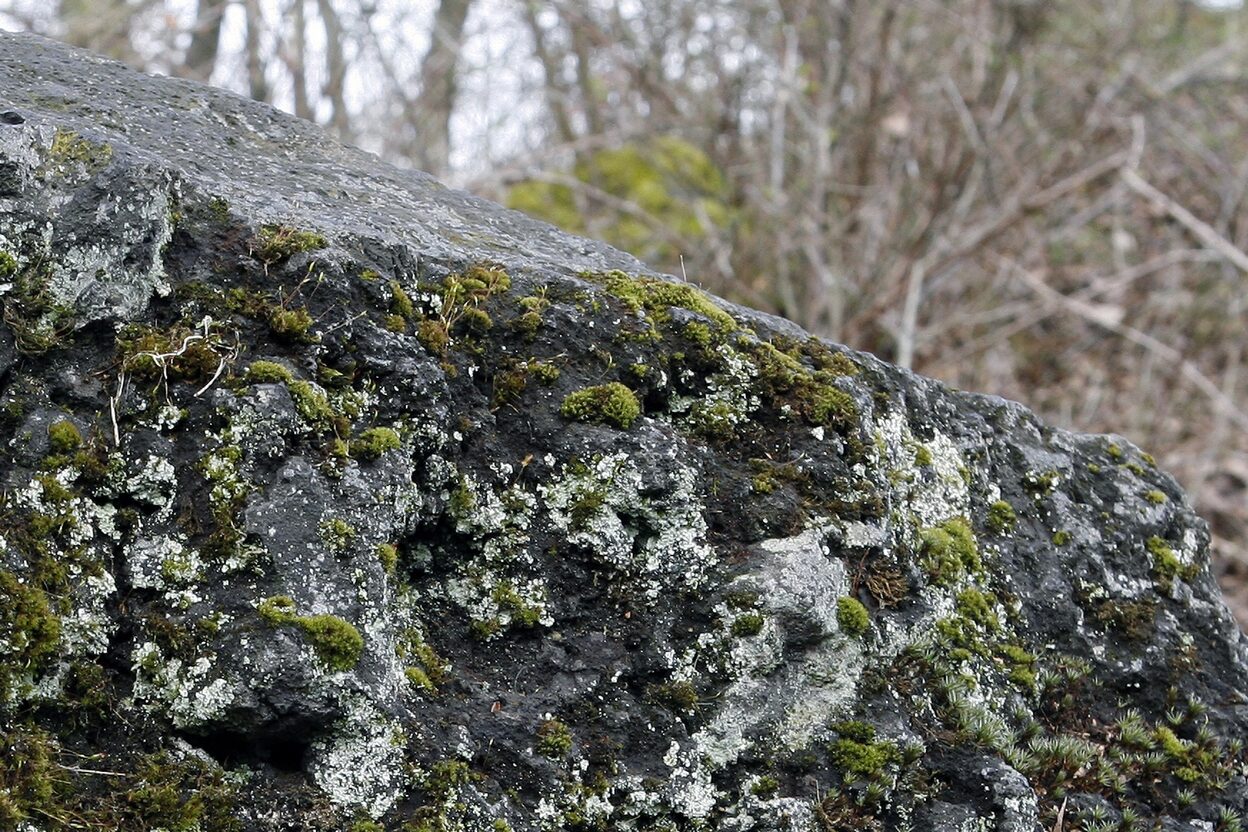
column 336, row 499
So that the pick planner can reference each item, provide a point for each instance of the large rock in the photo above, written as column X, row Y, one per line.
column 334, row 498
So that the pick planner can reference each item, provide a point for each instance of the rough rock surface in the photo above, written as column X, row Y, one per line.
column 336, row 499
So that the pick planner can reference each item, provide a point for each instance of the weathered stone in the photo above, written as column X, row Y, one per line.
column 305, row 525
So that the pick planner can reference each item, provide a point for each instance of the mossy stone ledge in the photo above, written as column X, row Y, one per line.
column 335, row 499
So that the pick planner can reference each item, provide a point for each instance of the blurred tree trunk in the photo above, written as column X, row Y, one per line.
column 103, row 26
column 336, row 70
column 436, row 100
column 201, row 55
column 257, row 82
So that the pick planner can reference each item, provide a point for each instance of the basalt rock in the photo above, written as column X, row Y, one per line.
column 336, row 499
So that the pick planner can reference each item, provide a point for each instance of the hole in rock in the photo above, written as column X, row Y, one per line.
column 10, row 117
column 284, row 751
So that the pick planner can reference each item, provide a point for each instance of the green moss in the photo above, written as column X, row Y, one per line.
column 338, row 644
column 396, row 323
column 554, row 739
column 977, row 606
column 367, row 826
column 852, row 616
column 1155, row 497
column 1042, row 483
column 268, row 372
column 278, row 610
column 8, row 265
column 611, row 403
column 400, row 302
column 312, row 404
column 922, row 456
column 275, row 243
column 831, row 406
column 388, row 556
column 64, row 437
column 70, row 148
column 750, row 624
column 336, row 641
column 176, row 353
column 765, row 787
column 699, row 333
column 337, row 535
column 859, row 755
column 1001, row 517
column 1061, row 537
column 433, row 335
column 29, row 631
column 293, row 325
column 949, row 551
column 678, row 696
column 1166, row 564
column 657, row 297
column 1115, row 452
column 374, row 442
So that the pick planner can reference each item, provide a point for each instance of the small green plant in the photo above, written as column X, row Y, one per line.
column 554, row 739
column 950, row 551
column 1001, row 517
column 749, row 624
column 611, row 403
column 1061, row 537
column 858, row 754
column 852, row 616
column 338, row 644
column 275, row 243
column 268, row 372
column 293, row 325
column 64, row 437
column 388, row 557
column 374, row 442
column 1155, row 497
column 337, row 534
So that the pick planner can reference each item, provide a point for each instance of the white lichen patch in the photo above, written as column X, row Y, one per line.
column 729, row 398
column 360, row 765
column 190, row 694
column 655, row 536
column 154, row 483
column 931, row 493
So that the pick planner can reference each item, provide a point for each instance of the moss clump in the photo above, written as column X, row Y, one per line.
column 338, row 644
column 1020, row 665
column 374, row 442
column 433, row 336
column 64, row 437
column 852, row 616
column 1166, row 564
column 554, row 739
column 275, row 243
column 8, row 265
column 293, row 325
column 750, row 624
column 1155, row 497
column 831, row 406
column 69, row 148
column 312, row 404
column 657, row 297
column 976, row 606
column 268, row 372
column 950, row 551
column 400, row 302
column 858, row 754
column 337, row 535
column 388, row 557
column 678, row 696
column 1001, row 517
column 922, row 456
column 29, row 631
column 611, row 403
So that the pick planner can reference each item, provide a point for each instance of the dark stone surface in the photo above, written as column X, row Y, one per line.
column 301, row 530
